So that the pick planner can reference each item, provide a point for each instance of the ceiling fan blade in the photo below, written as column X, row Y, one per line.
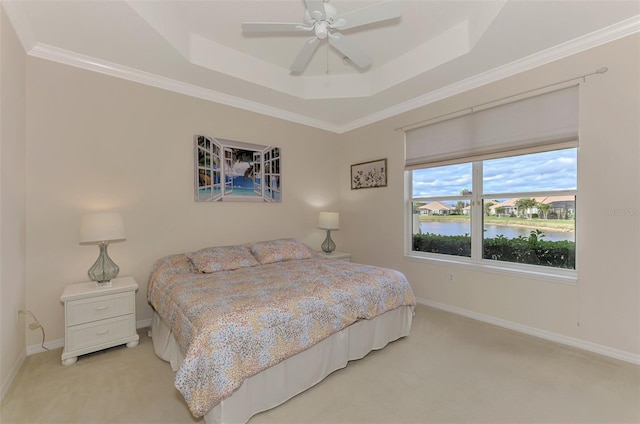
column 368, row 15
column 315, row 9
column 350, row 50
column 304, row 56
column 251, row 27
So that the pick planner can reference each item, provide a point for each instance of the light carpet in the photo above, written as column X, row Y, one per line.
column 450, row 369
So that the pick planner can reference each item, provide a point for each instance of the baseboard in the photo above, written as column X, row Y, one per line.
column 543, row 334
column 51, row 345
column 6, row 385
column 144, row 323
column 532, row 331
column 59, row 343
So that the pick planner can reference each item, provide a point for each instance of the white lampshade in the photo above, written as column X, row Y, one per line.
column 99, row 227
column 329, row 220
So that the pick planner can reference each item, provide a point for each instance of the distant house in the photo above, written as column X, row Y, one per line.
column 508, row 205
column 559, row 206
column 436, row 208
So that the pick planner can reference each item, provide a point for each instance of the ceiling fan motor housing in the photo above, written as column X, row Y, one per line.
column 321, row 29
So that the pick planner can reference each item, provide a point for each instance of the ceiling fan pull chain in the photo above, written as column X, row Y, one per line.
column 327, row 56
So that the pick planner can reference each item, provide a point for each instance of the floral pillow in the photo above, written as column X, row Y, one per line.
column 267, row 252
column 222, row 258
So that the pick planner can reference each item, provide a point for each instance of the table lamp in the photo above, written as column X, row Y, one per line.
column 328, row 221
column 100, row 229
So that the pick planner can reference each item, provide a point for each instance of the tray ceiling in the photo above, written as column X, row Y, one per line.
column 436, row 49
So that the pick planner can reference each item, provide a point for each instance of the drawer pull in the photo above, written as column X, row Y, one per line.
column 102, row 308
column 103, row 332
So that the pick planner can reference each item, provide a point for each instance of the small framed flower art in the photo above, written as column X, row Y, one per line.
column 369, row 174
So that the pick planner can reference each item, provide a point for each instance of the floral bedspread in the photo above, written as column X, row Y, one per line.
column 234, row 324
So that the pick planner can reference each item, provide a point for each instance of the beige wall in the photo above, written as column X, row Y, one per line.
column 12, row 201
column 603, row 307
column 100, row 143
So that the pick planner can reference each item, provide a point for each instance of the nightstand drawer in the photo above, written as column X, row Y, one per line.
column 97, row 308
column 96, row 333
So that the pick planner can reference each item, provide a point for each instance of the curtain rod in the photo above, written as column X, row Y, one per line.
column 472, row 108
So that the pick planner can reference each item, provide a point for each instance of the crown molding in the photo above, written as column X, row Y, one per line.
column 589, row 41
column 70, row 58
column 597, row 38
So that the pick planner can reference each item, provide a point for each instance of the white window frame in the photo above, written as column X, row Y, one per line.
column 476, row 262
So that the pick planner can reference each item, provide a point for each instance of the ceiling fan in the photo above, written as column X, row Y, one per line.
column 323, row 20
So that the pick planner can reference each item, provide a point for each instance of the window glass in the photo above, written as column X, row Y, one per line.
column 441, row 210
column 441, row 181
column 554, row 170
column 525, row 209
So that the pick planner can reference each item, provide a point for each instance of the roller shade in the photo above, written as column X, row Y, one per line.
column 543, row 120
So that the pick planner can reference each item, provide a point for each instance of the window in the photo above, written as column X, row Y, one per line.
column 497, row 186
column 516, row 209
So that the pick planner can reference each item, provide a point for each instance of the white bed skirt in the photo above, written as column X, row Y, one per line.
column 281, row 382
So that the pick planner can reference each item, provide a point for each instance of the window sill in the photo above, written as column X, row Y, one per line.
column 546, row 274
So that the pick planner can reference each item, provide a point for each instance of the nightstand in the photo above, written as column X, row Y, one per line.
column 98, row 317
column 338, row 255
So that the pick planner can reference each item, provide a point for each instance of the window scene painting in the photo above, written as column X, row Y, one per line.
column 228, row 170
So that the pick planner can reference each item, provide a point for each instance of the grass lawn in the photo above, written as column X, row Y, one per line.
column 554, row 224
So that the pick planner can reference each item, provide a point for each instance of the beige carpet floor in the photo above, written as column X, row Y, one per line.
column 449, row 370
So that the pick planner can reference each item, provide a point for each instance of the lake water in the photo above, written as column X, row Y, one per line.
column 491, row 231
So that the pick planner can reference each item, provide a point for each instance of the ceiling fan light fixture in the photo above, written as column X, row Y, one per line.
column 322, row 30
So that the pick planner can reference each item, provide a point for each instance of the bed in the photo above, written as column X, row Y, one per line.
column 247, row 327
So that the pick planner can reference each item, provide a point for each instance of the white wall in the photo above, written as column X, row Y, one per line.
column 12, row 201
column 100, row 143
column 603, row 307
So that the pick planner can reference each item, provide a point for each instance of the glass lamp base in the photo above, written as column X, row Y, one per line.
column 104, row 270
column 328, row 245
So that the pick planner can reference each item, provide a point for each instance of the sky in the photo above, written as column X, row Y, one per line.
column 555, row 170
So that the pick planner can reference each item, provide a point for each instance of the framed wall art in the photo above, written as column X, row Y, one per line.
column 369, row 174
column 227, row 170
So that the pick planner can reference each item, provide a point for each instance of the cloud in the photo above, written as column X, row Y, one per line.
column 441, row 182
column 554, row 170
column 239, row 168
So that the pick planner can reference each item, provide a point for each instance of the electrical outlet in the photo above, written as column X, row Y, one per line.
column 452, row 277
column 34, row 326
